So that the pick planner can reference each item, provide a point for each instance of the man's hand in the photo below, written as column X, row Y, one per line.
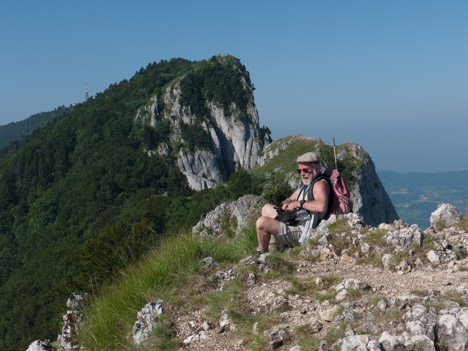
column 291, row 206
column 285, row 204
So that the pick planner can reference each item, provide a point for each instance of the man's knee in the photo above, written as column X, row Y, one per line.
column 269, row 210
column 261, row 222
column 267, row 224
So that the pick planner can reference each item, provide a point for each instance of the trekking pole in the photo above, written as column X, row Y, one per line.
column 334, row 152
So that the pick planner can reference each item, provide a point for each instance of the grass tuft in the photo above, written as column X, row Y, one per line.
column 111, row 314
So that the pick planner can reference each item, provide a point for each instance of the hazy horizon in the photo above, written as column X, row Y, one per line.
column 390, row 76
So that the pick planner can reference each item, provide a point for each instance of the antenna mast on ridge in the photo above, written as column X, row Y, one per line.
column 86, row 92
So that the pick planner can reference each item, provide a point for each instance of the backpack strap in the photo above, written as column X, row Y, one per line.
column 311, row 187
column 303, row 189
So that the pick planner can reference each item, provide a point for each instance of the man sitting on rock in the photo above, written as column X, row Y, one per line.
column 308, row 166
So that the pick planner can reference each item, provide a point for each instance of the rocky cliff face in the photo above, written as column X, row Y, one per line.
column 370, row 198
column 208, row 139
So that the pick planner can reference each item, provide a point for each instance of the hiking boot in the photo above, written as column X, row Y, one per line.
column 259, row 251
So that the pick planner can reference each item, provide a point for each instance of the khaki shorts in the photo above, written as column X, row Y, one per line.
column 289, row 235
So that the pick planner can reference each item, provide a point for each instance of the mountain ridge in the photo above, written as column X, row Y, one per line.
column 77, row 185
column 375, row 287
column 16, row 131
column 91, row 193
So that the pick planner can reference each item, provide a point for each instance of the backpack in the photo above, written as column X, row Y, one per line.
column 339, row 199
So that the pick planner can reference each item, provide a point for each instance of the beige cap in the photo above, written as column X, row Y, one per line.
column 308, row 157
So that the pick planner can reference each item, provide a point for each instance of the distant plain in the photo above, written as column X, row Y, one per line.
column 416, row 195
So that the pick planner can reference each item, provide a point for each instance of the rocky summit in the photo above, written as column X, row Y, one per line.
column 369, row 197
column 351, row 287
column 226, row 138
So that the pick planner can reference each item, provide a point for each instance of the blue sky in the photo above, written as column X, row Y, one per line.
column 389, row 75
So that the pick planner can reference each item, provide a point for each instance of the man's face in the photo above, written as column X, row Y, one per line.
column 307, row 171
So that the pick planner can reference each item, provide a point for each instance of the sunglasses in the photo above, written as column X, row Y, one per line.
column 305, row 170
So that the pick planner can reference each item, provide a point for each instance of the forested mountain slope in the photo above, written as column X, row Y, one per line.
column 16, row 131
column 85, row 197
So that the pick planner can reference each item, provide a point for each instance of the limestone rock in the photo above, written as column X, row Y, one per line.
column 279, row 303
column 463, row 317
column 276, row 338
column 451, row 333
column 251, row 279
column 146, row 320
column 209, row 262
column 370, row 200
column 433, row 257
column 390, row 342
column 354, row 343
column 445, row 216
column 373, row 345
column 382, row 305
column 71, row 323
column 404, row 236
column 231, row 142
column 39, row 345
column 314, row 325
column 223, row 277
column 230, row 217
column 346, row 285
column 327, row 314
column 420, row 342
column 224, row 321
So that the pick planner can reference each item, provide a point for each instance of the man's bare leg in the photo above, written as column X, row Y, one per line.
column 269, row 210
column 266, row 227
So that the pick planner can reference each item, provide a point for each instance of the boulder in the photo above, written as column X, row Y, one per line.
column 224, row 321
column 354, row 343
column 146, row 321
column 39, row 345
column 451, row 333
column 390, row 342
column 387, row 261
column 445, row 216
column 405, row 236
column 420, row 343
column 230, row 217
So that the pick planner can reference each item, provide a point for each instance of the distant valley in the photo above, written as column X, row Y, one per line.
column 416, row 195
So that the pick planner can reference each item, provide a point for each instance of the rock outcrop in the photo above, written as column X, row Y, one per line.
column 211, row 142
column 72, row 319
column 445, row 216
column 230, row 218
column 333, row 293
column 335, row 303
column 146, row 321
column 369, row 197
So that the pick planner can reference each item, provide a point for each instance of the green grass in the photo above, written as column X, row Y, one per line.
column 376, row 237
column 346, row 167
column 339, row 226
column 286, row 159
column 457, row 297
column 111, row 314
column 308, row 287
column 162, row 338
column 463, row 224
